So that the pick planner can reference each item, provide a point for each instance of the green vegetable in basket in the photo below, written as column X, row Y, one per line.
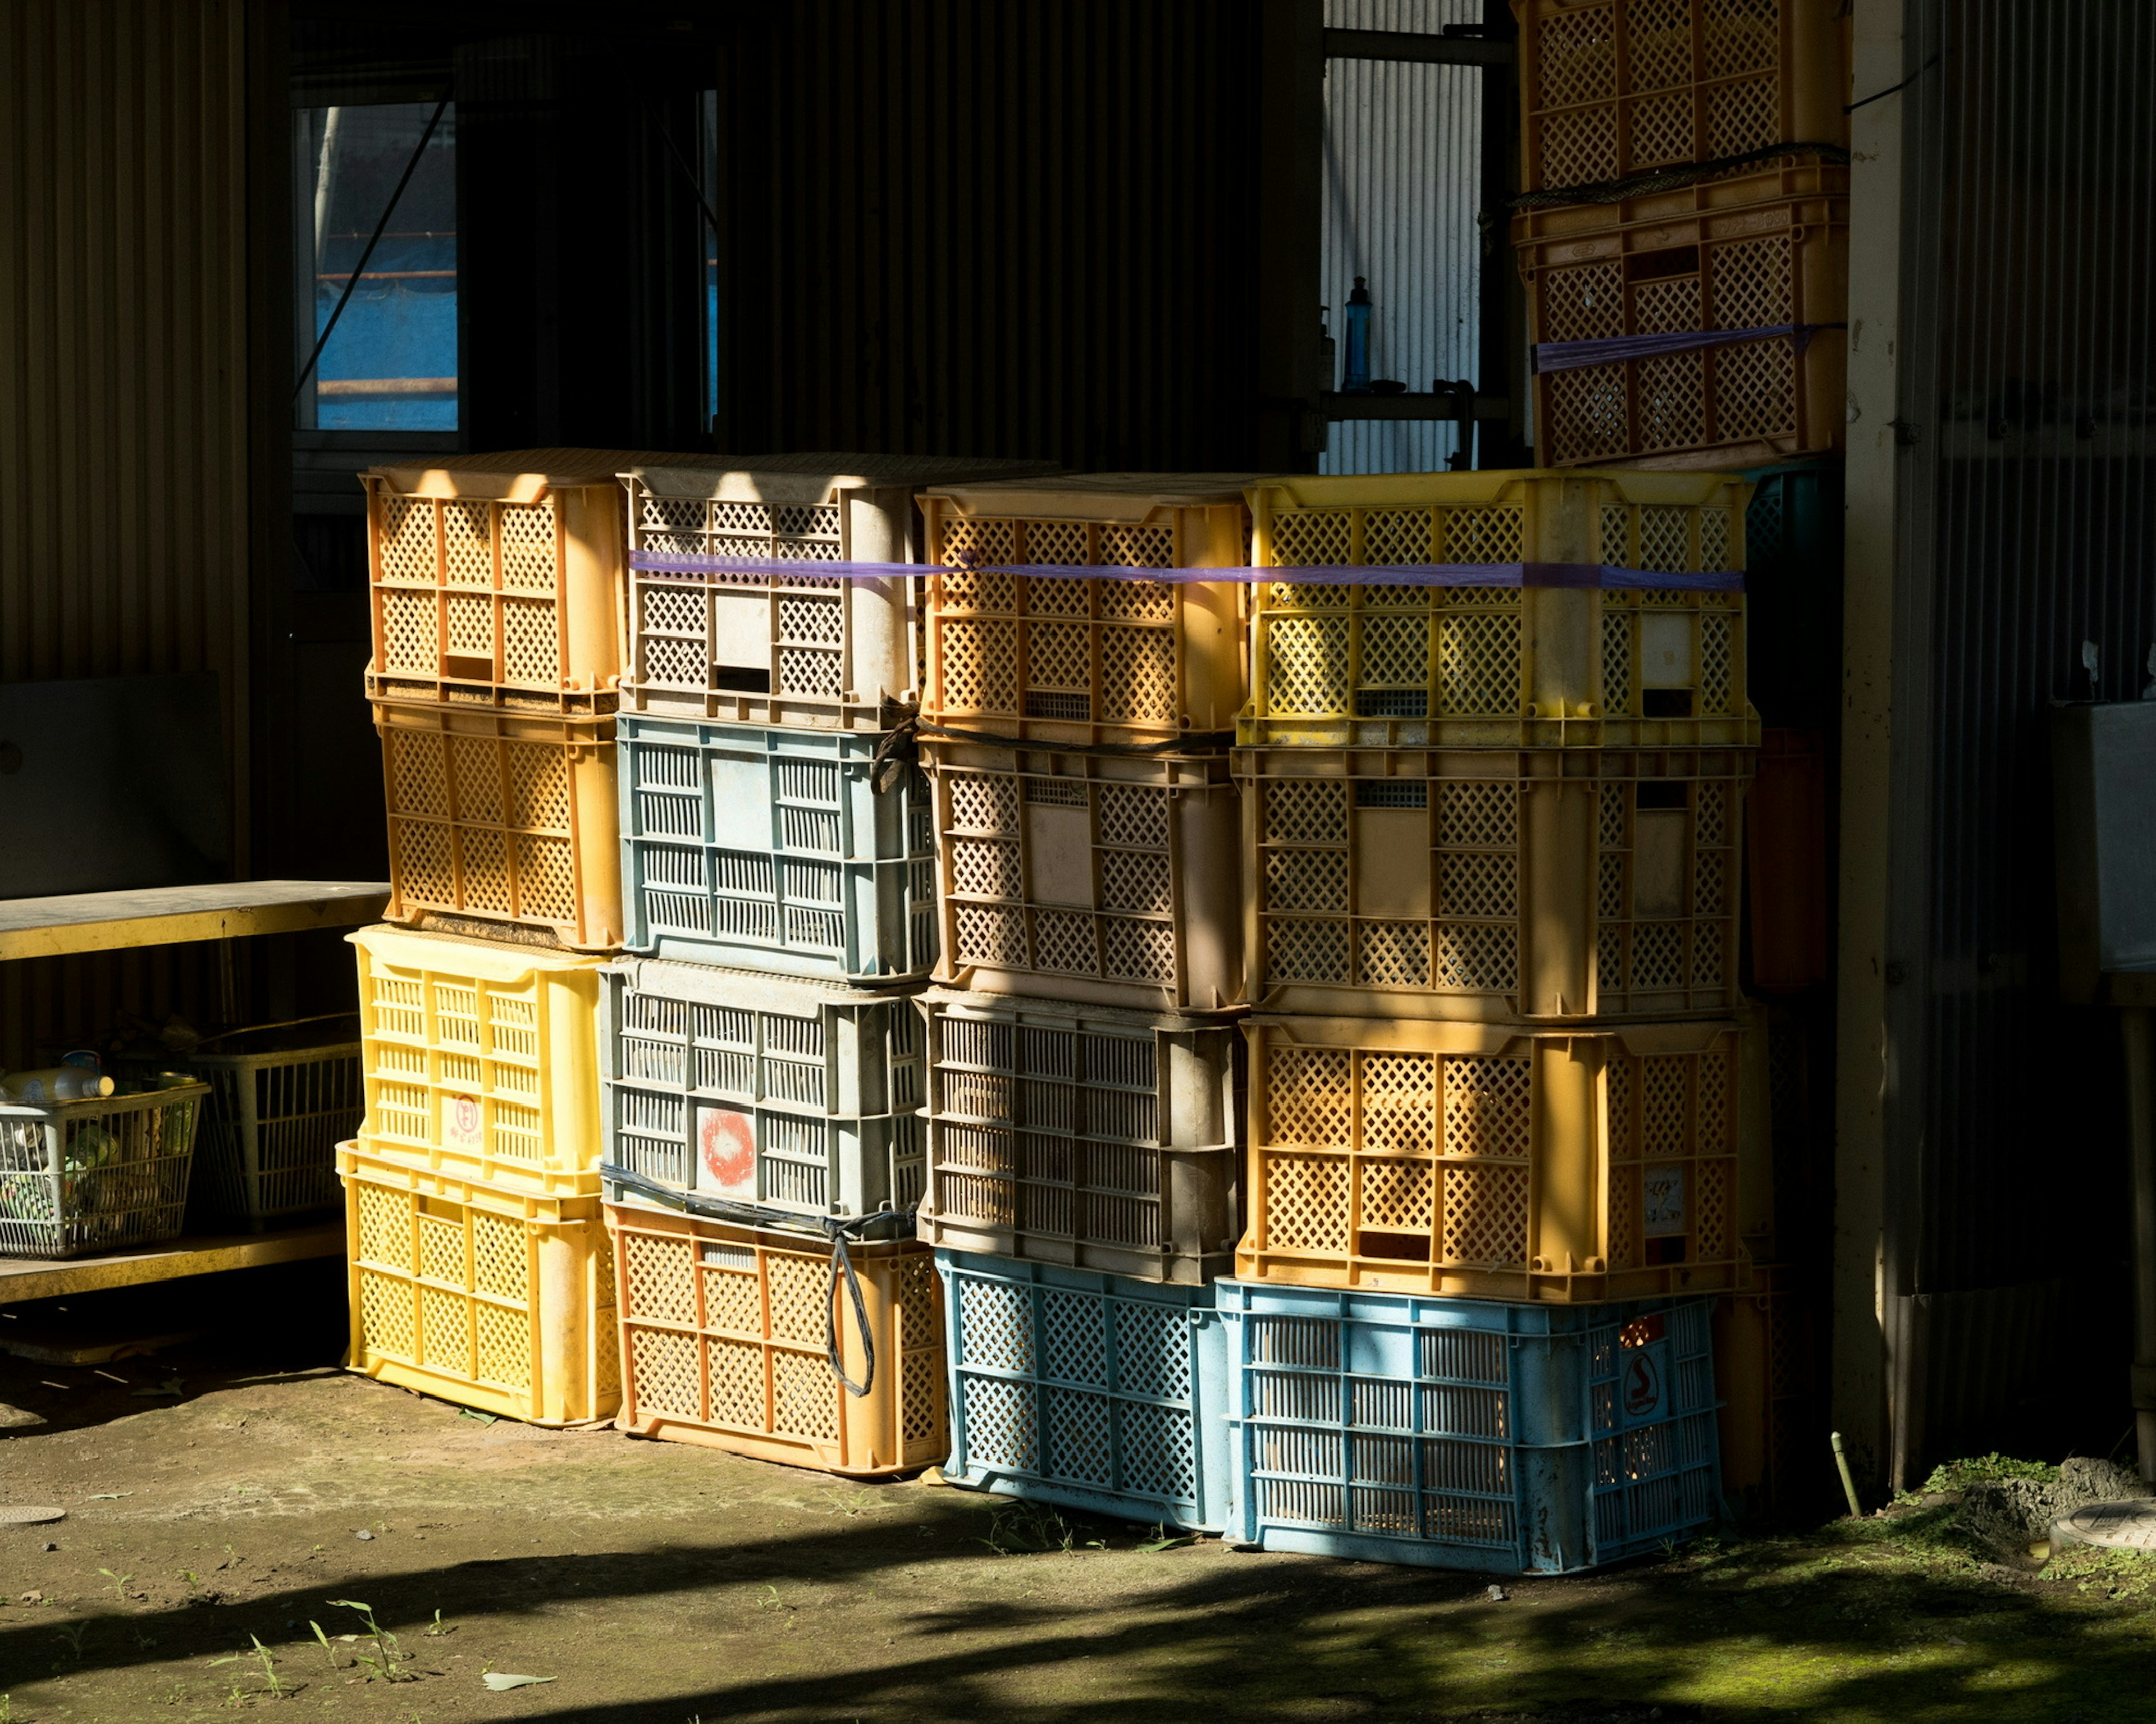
column 91, row 1146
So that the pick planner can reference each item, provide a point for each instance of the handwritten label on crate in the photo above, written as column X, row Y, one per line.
column 1664, row 1203
column 464, row 1125
column 726, row 1152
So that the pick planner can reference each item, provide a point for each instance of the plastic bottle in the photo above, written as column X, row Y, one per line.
column 1357, row 381
column 1328, row 361
column 53, row 1083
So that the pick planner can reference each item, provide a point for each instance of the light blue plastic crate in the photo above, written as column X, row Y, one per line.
column 773, row 849
column 774, row 1097
column 1093, row 1391
column 1464, row 1432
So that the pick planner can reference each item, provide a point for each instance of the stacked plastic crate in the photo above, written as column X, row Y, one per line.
column 479, row 1267
column 762, row 1053
column 1491, row 794
column 1684, row 229
column 1085, row 1096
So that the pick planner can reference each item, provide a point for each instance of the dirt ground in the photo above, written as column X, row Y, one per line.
column 254, row 1485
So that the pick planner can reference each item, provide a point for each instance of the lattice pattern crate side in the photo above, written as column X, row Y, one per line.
column 1519, row 666
column 481, row 1060
column 1766, row 1363
column 495, row 819
column 1484, row 1162
column 1064, row 658
column 78, row 1176
column 479, row 1296
column 267, row 1145
column 1779, row 262
column 1467, row 1434
column 1094, row 1391
column 1111, row 881
column 1631, row 85
column 1101, row 1140
column 763, row 848
column 791, row 1096
column 725, row 1331
column 1492, row 883
column 499, row 592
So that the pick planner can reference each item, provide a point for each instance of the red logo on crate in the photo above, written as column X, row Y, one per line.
column 461, row 1126
column 1643, row 1386
column 725, row 1144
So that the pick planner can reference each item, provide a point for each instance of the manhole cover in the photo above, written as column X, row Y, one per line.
column 28, row 1516
column 2128, row 1526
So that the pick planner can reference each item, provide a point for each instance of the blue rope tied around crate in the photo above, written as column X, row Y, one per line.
column 1607, row 575
column 1616, row 350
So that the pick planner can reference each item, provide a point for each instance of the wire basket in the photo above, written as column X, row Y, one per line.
column 94, row 1176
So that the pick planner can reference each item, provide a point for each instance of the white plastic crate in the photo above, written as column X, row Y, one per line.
column 267, row 1151
column 765, row 1094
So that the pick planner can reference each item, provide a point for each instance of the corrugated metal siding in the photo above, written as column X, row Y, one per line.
column 2029, row 342
column 1403, row 184
column 123, row 376
column 998, row 230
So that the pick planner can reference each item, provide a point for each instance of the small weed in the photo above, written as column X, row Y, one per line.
column 191, row 1579
column 1030, row 1529
column 120, row 1583
column 383, row 1660
column 6, row 1710
column 73, row 1635
column 436, row 1629
column 143, row 1643
column 322, row 1640
column 770, row 1600
column 268, row 1662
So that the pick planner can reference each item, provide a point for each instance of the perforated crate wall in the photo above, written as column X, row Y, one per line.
column 1493, row 883
column 725, row 1331
column 267, row 1145
column 1478, row 1161
column 509, row 602
column 1768, row 265
column 498, row 819
column 1112, row 880
column 1093, row 1391
column 1517, row 666
column 478, row 1295
column 1766, row 1366
column 789, row 1096
column 1464, row 1434
column 764, row 849
column 77, row 1176
column 481, row 1060
column 1107, row 1141
column 1621, row 86
column 1072, row 659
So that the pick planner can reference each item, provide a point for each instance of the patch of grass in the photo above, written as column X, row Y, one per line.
column 276, row 1691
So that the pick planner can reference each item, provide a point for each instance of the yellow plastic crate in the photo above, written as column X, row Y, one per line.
column 484, row 1297
column 1491, row 1162
column 499, row 818
column 725, row 1332
column 481, row 1060
column 495, row 580
column 1610, row 88
column 1774, row 1427
column 1492, row 883
column 1523, row 665
column 1058, row 657
column 1107, row 878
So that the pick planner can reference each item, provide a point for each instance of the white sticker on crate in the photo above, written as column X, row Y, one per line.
column 1664, row 1201
column 726, row 1152
column 1643, row 1385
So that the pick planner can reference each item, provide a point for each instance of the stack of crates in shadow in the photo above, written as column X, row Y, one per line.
column 1085, row 1075
column 1492, row 814
column 1683, row 234
column 761, row 1052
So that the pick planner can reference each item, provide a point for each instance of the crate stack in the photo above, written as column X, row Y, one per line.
column 1085, row 1099
column 761, row 1052
column 1491, row 811
column 479, row 1266
column 1683, row 233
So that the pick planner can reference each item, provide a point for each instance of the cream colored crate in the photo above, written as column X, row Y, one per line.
column 1493, row 1162
column 491, row 1299
column 1492, row 883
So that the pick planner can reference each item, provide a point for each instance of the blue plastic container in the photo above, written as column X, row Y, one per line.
column 1464, row 1432
column 1092, row 1391
column 763, row 849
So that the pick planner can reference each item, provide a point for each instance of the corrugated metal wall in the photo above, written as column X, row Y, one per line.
column 2026, row 491
column 960, row 226
column 124, row 523
column 1402, row 185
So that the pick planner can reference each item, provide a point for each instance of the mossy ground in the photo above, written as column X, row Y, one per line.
column 657, row 1582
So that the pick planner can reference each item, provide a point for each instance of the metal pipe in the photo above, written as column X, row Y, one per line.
column 1848, row 1484
column 2137, row 1030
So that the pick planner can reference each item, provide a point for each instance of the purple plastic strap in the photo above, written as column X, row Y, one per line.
column 1389, row 574
column 1615, row 350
